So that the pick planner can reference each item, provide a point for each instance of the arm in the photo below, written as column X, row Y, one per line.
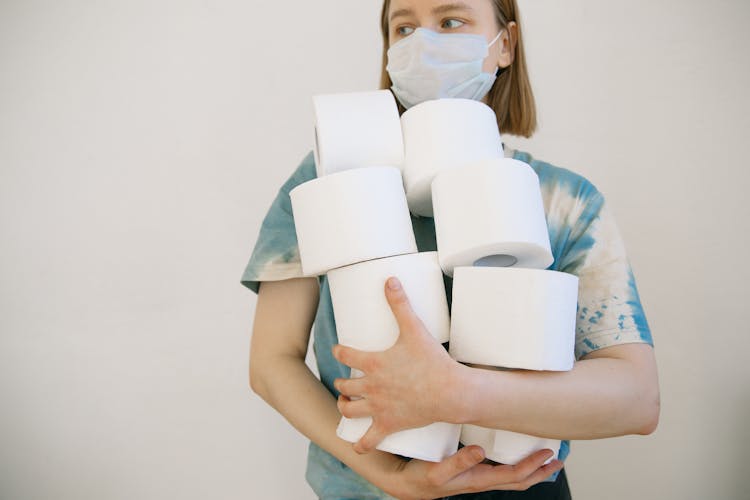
column 278, row 373
column 610, row 392
column 283, row 317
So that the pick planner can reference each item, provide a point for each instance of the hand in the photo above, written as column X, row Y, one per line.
column 463, row 472
column 402, row 386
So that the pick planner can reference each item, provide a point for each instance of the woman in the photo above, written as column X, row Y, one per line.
column 611, row 391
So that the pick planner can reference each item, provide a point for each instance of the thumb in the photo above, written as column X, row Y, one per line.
column 458, row 463
column 400, row 305
column 373, row 437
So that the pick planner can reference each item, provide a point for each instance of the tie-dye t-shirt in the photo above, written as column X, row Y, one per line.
column 585, row 242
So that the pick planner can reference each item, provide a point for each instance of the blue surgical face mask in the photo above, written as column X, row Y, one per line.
column 429, row 65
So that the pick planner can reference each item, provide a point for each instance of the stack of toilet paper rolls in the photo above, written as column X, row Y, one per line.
column 508, row 312
column 353, row 224
column 443, row 159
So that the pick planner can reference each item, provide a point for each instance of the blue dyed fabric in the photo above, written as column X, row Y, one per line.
column 585, row 242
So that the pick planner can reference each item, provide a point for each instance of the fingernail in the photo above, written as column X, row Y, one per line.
column 393, row 283
column 477, row 454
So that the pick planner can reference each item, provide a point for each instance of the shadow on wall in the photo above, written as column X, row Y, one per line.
column 743, row 430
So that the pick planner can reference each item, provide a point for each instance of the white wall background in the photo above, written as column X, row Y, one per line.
column 142, row 142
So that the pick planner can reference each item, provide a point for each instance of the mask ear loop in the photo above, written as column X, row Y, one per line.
column 499, row 70
column 495, row 39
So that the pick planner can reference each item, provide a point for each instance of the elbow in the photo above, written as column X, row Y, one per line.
column 649, row 424
column 649, row 415
column 257, row 383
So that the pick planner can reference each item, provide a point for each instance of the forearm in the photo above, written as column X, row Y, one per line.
column 599, row 398
column 288, row 385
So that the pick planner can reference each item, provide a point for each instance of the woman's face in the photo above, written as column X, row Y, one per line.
column 452, row 16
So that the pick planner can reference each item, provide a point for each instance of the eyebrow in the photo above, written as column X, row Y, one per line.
column 440, row 9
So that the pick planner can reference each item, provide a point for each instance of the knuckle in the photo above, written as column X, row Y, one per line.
column 399, row 299
column 467, row 461
column 343, row 354
column 373, row 363
column 365, row 387
column 341, row 385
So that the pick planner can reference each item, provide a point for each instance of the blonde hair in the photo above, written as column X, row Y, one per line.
column 510, row 97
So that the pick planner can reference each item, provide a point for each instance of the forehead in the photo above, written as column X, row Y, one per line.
column 435, row 6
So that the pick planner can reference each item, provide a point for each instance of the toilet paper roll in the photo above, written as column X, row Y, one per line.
column 512, row 447
column 351, row 216
column 507, row 447
column 490, row 213
column 364, row 319
column 432, row 443
column 502, row 446
column 354, row 130
column 444, row 134
column 476, row 435
column 514, row 317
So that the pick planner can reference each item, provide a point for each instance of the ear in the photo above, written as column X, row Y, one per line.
column 507, row 45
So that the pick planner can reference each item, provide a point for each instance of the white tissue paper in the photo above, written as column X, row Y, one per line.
column 502, row 446
column 481, row 436
column 357, row 129
column 444, row 134
column 432, row 443
column 507, row 447
column 490, row 213
column 514, row 318
column 351, row 216
column 364, row 319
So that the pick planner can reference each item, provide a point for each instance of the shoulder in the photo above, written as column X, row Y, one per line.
column 559, row 180
column 576, row 214
column 572, row 203
column 304, row 172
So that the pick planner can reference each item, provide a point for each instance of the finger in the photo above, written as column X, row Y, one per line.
column 350, row 386
column 353, row 408
column 351, row 357
column 507, row 477
column 458, row 463
column 530, row 464
column 489, row 476
column 370, row 440
column 536, row 477
column 400, row 305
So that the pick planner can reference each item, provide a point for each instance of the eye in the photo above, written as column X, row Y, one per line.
column 404, row 30
column 452, row 24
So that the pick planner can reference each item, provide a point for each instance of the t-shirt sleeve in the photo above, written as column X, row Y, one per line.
column 609, row 307
column 276, row 253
